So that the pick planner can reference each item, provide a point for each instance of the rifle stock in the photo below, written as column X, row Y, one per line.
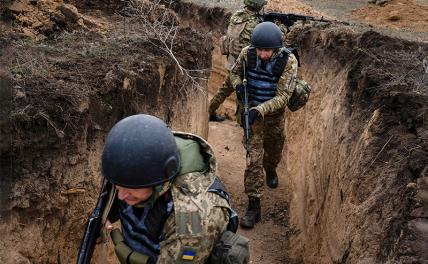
column 93, row 226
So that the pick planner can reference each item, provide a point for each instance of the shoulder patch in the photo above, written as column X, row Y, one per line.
column 188, row 223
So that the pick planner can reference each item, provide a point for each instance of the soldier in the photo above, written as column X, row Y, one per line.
column 171, row 205
column 270, row 70
column 238, row 36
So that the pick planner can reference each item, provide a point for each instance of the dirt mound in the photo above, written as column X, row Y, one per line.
column 396, row 14
column 292, row 6
column 40, row 19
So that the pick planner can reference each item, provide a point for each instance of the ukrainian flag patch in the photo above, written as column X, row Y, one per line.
column 188, row 254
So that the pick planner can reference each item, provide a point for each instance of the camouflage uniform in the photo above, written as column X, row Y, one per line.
column 267, row 133
column 198, row 213
column 238, row 36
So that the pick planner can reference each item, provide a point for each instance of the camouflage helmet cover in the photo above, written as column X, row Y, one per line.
column 255, row 4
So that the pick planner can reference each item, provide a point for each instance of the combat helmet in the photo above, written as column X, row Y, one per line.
column 255, row 4
column 266, row 35
column 140, row 151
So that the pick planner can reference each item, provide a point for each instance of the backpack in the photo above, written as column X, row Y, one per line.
column 231, row 248
column 300, row 95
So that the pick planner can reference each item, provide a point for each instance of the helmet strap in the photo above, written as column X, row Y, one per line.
column 151, row 201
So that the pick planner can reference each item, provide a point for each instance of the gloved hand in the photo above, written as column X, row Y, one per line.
column 254, row 114
column 239, row 89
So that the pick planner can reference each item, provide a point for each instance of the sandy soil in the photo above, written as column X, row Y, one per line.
column 398, row 15
column 269, row 239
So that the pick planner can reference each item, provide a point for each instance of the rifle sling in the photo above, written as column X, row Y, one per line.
column 111, row 197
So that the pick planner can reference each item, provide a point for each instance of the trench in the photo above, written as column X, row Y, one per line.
column 354, row 172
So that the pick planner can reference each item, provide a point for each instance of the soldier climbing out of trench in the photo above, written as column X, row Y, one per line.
column 269, row 70
column 171, row 205
column 242, row 23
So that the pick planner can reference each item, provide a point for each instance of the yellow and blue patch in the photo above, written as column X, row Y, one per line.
column 188, row 254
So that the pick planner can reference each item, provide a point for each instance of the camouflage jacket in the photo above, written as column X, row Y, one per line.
column 241, row 25
column 285, row 86
column 200, row 216
column 188, row 216
column 238, row 35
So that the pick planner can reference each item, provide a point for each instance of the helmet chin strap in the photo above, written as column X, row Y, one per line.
column 157, row 192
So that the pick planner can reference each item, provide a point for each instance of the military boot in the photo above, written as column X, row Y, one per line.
column 253, row 214
column 271, row 179
column 217, row 118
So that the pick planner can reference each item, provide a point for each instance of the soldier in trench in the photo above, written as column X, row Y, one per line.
column 242, row 23
column 270, row 70
column 171, row 205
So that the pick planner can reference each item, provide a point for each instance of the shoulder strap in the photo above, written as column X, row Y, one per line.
column 281, row 62
column 251, row 58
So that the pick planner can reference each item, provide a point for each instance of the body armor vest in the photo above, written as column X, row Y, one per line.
column 142, row 227
column 262, row 77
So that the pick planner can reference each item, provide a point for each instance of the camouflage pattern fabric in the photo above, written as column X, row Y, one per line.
column 285, row 86
column 266, row 144
column 225, row 91
column 241, row 25
column 199, row 217
column 238, row 35
column 300, row 95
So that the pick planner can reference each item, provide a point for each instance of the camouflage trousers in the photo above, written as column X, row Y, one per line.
column 266, row 143
column 223, row 92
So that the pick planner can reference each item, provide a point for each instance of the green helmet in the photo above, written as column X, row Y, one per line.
column 255, row 4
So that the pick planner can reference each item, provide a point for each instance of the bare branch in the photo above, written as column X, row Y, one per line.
column 160, row 25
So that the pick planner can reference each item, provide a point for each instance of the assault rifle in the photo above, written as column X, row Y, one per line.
column 94, row 225
column 246, row 118
column 289, row 19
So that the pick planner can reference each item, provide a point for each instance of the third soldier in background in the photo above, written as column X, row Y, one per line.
column 270, row 70
column 242, row 23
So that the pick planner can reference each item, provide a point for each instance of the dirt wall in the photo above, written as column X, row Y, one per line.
column 357, row 153
column 66, row 91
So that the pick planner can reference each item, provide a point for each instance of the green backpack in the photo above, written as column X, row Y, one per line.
column 300, row 95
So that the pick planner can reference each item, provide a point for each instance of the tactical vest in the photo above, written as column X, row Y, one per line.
column 262, row 77
column 142, row 228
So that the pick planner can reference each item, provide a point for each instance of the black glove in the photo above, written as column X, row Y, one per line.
column 254, row 114
column 239, row 89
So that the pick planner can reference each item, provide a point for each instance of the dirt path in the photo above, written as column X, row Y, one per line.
column 269, row 239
